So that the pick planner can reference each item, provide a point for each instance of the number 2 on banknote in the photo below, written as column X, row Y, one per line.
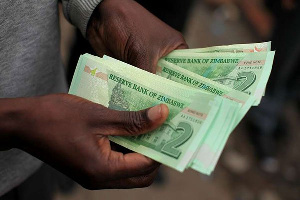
column 247, row 79
column 170, row 148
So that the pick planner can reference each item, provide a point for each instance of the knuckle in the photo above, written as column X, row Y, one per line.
column 134, row 45
column 136, row 122
column 135, row 52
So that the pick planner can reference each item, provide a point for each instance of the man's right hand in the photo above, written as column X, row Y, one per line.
column 71, row 134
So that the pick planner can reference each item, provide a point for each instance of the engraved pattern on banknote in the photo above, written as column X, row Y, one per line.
column 241, row 82
column 117, row 100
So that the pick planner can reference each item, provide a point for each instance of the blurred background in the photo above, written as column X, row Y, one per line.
column 261, row 160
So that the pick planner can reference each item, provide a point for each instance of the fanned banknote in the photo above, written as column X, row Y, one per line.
column 201, row 83
column 212, row 148
column 128, row 89
column 234, row 48
column 202, row 88
column 245, row 72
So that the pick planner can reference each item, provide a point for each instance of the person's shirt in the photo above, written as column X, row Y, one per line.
column 31, row 64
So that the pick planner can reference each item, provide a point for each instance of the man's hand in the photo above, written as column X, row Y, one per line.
column 71, row 134
column 127, row 31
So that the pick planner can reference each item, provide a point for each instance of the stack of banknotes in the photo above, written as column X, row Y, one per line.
column 208, row 92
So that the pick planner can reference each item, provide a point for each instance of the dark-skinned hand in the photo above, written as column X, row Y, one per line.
column 127, row 31
column 71, row 134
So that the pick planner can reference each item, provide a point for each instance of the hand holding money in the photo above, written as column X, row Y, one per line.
column 202, row 111
column 71, row 134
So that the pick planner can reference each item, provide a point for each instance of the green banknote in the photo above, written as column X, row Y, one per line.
column 199, row 82
column 216, row 136
column 202, row 89
column 126, row 88
column 186, row 77
column 245, row 72
column 214, row 142
column 235, row 48
column 205, row 159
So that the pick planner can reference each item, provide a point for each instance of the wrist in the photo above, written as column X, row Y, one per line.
column 14, row 120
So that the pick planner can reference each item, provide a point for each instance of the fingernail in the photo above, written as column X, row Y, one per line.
column 154, row 113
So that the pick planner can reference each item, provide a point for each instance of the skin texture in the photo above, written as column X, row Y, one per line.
column 70, row 133
column 127, row 31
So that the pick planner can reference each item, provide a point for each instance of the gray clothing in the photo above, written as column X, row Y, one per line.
column 31, row 64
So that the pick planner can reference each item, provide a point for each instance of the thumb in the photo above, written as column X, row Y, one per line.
column 133, row 123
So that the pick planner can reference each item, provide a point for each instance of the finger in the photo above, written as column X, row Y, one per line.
column 133, row 182
column 182, row 46
column 123, row 166
column 139, row 122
